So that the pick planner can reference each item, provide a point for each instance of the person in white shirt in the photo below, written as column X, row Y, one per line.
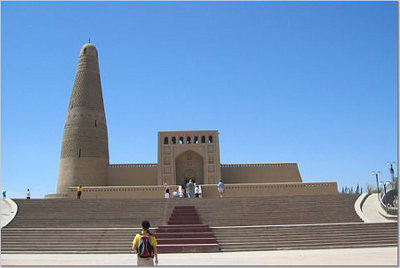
column 175, row 194
column 181, row 193
column 28, row 194
column 166, row 191
column 221, row 188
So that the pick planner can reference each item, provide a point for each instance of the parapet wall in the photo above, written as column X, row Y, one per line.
column 260, row 173
column 271, row 189
column 122, row 192
column 132, row 175
column 210, row 190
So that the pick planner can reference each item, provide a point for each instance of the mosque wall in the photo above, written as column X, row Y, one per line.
column 260, row 173
column 146, row 174
column 132, row 175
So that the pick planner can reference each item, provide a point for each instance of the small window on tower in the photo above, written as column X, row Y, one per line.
column 166, row 140
column 173, row 140
column 196, row 140
column 188, row 141
column 181, row 140
column 84, row 51
column 210, row 139
column 79, row 153
column 203, row 139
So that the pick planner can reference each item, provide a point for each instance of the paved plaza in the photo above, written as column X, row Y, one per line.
column 356, row 256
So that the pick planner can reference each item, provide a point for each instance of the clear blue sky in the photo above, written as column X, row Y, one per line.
column 305, row 82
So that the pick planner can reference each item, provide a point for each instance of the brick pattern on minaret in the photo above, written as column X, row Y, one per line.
column 84, row 151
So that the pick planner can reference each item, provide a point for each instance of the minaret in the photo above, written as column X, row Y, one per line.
column 84, row 151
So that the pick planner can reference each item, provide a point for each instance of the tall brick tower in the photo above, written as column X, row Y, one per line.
column 84, row 151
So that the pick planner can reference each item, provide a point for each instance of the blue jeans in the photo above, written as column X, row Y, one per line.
column 190, row 193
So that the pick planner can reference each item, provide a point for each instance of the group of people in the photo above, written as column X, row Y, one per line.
column 191, row 189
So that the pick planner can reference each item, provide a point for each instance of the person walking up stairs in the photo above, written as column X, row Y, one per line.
column 145, row 244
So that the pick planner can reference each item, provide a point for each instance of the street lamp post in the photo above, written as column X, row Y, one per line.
column 391, row 170
column 375, row 173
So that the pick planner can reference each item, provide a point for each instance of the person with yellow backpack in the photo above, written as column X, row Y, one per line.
column 145, row 245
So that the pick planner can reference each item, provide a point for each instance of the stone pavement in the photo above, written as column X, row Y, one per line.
column 356, row 256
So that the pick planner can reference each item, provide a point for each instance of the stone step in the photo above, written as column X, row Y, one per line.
column 261, row 248
column 291, row 244
column 299, row 239
column 177, row 222
column 305, row 231
column 204, row 248
column 186, row 240
column 183, row 226
column 84, row 237
column 184, row 230
column 184, row 212
column 182, row 215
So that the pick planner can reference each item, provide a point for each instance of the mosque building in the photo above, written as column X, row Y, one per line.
column 182, row 156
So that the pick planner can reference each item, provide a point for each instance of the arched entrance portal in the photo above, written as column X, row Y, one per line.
column 189, row 166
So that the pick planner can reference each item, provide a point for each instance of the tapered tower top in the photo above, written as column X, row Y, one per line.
column 89, row 49
column 87, row 86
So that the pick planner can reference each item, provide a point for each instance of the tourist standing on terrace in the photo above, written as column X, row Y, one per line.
column 183, row 188
column 181, row 195
column 166, row 191
column 175, row 194
column 221, row 188
column 79, row 191
column 190, row 187
column 145, row 244
column 28, row 194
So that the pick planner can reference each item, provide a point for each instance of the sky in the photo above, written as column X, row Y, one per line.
column 313, row 83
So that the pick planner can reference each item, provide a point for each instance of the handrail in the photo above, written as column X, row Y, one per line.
column 389, row 209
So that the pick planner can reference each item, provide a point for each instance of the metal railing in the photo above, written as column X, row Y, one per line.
column 391, row 208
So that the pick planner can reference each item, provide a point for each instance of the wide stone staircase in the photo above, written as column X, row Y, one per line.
column 265, row 223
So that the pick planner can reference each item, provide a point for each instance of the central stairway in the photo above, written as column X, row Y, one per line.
column 185, row 233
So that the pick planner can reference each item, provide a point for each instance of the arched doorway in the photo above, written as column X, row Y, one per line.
column 189, row 166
